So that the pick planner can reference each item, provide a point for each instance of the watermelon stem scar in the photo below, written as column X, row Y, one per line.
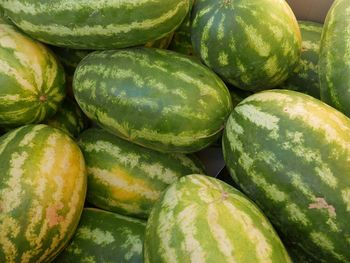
column 43, row 98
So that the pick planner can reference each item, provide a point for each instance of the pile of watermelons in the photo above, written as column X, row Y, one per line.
column 105, row 103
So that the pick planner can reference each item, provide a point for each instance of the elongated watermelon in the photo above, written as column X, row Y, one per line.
column 251, row 44
column 42, row 193
column 290, row 153
column 305, row 76
column 69, row 118
column 126, row 178
column 92, row 24
column 155, row 98
column 105, row 237
column 31, row 79
column 334, row 64
column 202, row 219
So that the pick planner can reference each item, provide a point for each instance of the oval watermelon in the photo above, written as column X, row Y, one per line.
column 42, row 193
column 31, row 79
column 202, row 219
column 290, row 153
column 92, row 24
column 105, row 237
column 155, row 98
column 334, row 64
column 251, row 44
column 126, row 178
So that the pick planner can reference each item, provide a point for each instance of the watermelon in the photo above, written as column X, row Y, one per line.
column 251, row 44
column 155, row 98
column 202, row 219
column 31, row 79
column 92, row 24
column 105, row 237
column 69, row 118
column 305, row 77
column 290, row 153
column 126, row 178
column 42, row 192
column 334, row 63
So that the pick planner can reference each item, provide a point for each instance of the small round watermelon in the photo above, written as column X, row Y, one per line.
column 42, row 192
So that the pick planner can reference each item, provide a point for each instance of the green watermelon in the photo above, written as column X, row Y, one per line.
column 105, row 237
column 251, row 44
column 155, row 98
column 92, row 24
column 42, row 193
column 31, row 79
column 334, row 64
column 126, row 178
column 290, row 153
column 202, row 219
column 69, row 118
column 305, row 77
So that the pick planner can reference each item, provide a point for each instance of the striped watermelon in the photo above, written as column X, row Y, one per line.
column 305, row 76
column 69, row 118
column 92, row 24
column 156, row 98
column 31, row 79
column 202, row 219
column 126, row 178
column 334, row 64
column 290, row 153
column 42, row 192
column 251, row 44
column 105, row 237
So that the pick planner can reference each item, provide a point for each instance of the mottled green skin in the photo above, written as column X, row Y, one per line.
column 126, row 178
column 298, row 255
column 69, row 118
column 155, row 98
column 334, row 63
column 70, row 58
column 31, row 79
column 94, row 24
column 202, row 219
column 42, row 193
column 305, row 77
column 253, row 45
column 290, row 154
column 103, row 237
